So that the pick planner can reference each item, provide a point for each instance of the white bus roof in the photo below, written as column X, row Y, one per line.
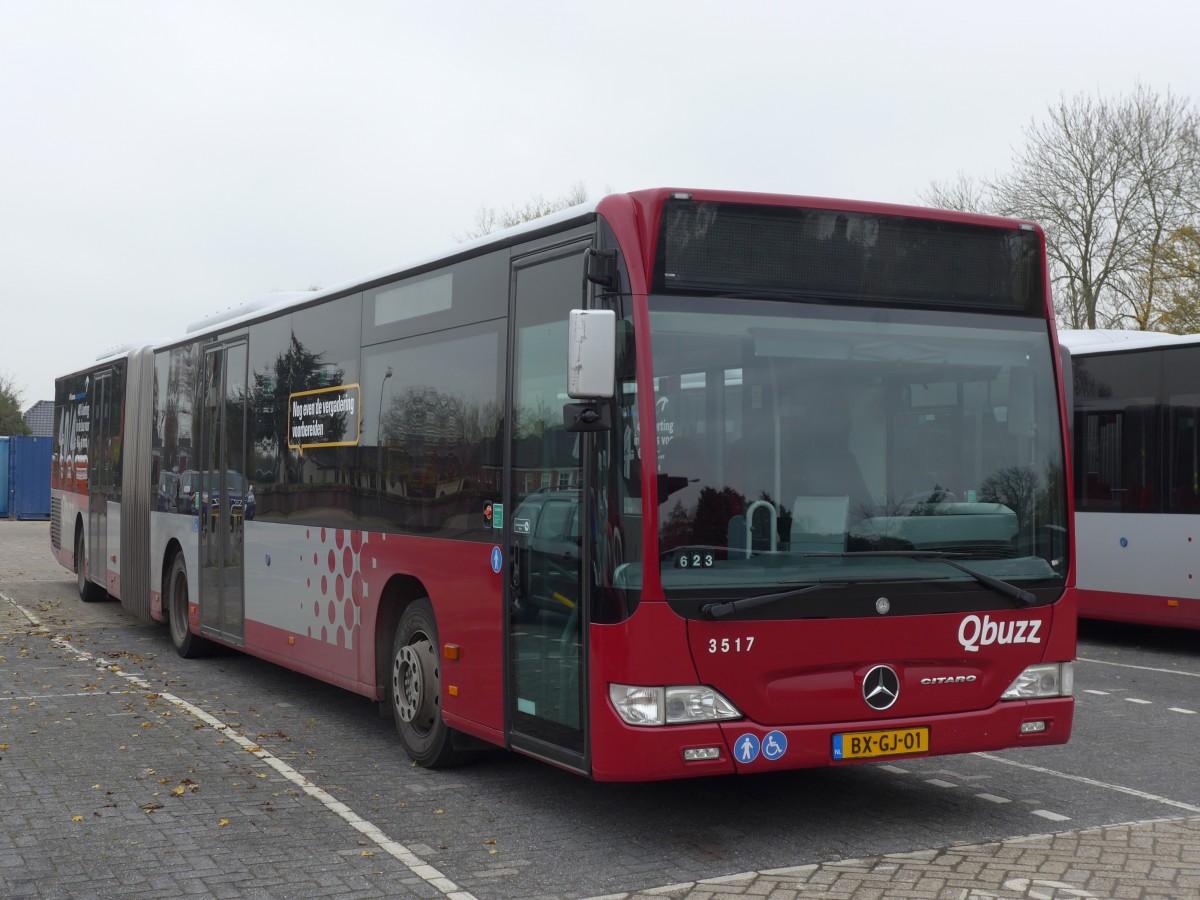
column 1111, row 340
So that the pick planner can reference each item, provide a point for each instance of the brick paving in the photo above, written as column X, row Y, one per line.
column 1158, row 860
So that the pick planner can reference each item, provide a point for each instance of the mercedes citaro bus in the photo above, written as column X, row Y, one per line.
column 676, row 483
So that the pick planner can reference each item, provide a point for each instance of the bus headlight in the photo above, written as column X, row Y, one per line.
column 676, row 705
column 1043, row 680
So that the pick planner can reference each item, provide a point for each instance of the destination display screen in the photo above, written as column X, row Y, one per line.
column 785, row 252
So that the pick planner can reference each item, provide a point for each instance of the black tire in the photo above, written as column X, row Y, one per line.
column 187, row 644
column 89, row 591
column 415, row 690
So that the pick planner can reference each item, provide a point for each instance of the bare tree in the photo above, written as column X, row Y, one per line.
column 1072, row 177
column 488, row 219
column 965, row 194
column 1114, row 185
column 1164, row 136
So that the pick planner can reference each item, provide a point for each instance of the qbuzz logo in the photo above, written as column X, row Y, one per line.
column 881, row 687
column 974, row 632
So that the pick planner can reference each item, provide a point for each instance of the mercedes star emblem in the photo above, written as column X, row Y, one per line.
column 881, row 687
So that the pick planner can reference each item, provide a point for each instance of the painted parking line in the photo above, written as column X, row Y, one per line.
column 1080, row 779
column 1107, row 662
column 369, row 830
column 1052, row 816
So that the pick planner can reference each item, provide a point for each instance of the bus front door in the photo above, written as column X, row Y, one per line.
column 220, row 491
column 545, row 653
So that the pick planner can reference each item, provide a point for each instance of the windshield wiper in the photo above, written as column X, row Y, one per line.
column 721, row 610
column 1003, row 587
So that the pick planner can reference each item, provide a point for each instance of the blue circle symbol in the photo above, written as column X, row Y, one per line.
column 746, row 748
column 497, row 560
column 1124, row 542
column 774, row 745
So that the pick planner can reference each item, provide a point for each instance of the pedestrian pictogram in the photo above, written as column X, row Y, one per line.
column 746, row 748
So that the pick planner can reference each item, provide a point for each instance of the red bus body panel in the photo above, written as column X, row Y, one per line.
column 803, row 678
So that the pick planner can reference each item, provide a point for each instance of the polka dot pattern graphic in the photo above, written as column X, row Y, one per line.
column 335, row 585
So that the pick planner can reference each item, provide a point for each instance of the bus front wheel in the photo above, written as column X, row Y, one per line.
column 187, row 644
column 415, row 687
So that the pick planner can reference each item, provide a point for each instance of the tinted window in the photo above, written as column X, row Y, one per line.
column 176, row 382
column 322, row 354
column 469, row 291
column 431, row 431
column 1182, row 449
column 1116, row 432
column 273, row 468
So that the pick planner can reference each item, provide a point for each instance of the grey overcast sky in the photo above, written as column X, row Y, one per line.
column 160, row 161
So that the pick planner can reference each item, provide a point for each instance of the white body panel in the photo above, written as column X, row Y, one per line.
column 1141, row 554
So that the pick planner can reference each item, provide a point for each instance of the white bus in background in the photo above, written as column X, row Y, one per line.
column 1136, row 443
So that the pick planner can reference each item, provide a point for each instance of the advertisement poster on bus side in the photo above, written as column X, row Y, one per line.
column 325, row 417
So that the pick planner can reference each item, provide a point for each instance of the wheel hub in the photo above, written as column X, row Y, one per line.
column 414, row 683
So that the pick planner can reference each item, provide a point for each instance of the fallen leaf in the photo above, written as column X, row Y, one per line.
column 76, row 818
column 222, row 823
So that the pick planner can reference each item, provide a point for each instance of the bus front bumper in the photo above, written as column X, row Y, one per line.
column 622, row 752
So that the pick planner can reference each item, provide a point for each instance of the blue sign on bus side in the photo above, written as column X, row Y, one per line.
column 774, row 745
column 497, row 560
column 746, row 748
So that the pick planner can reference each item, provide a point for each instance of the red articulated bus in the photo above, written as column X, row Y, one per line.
column 1136, row 449
column 677, row 483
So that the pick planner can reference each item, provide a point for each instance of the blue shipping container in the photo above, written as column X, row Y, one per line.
column 4, row 454
column 29, row 477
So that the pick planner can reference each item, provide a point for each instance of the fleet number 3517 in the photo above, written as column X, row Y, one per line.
column 730, row 645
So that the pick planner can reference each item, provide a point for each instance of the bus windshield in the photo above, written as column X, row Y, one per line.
column 800, row 444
